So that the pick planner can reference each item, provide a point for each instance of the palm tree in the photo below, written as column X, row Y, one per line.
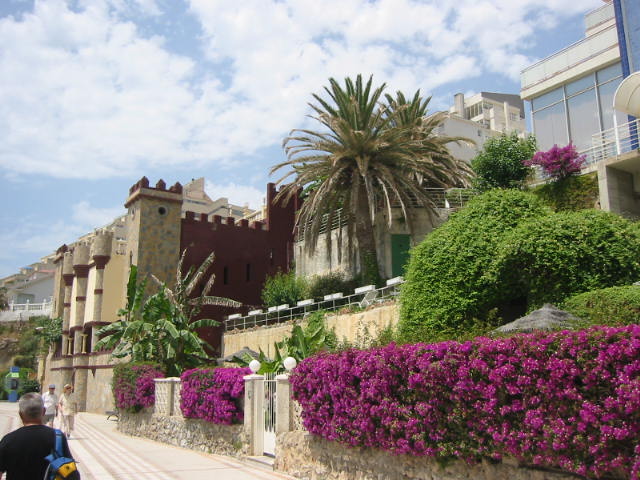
column 162, row 328
column 369, row 156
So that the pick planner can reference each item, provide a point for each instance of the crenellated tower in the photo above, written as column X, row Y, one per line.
column 153, row 229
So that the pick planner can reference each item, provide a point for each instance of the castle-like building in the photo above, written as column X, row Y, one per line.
column 92, row 273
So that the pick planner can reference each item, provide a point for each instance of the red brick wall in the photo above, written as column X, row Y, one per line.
column 248, row 253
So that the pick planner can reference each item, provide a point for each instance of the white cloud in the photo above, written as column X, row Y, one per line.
column 87, row 93
column 237, row 194
column 91, row 217
column 34, row 237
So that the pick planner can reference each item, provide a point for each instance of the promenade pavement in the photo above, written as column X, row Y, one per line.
column 103, row 453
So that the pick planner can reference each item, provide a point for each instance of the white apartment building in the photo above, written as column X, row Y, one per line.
column 479, row 117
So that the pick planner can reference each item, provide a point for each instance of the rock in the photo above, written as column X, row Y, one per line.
column 546, row 318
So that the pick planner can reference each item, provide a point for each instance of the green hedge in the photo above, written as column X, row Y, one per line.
column 445, row 283
column 607, row 306
column 573, row 193
column 505, row 254
column 555, row 257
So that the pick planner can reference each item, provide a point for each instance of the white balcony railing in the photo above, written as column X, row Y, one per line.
column 30, row 307
column 610, row 143
column 17, row 312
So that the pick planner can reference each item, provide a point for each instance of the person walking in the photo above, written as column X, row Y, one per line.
column 68, row 407
column 22, row 451
column 50, row 405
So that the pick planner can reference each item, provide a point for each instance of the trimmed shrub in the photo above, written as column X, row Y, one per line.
column 214, row 395
column 554, row 257
column 445, row 287
column 133, row 386
column 567, row 400
column 608, row 306
column 283, row 288
column 570, row 193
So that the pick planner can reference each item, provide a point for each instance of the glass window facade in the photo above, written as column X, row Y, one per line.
column 576, row 110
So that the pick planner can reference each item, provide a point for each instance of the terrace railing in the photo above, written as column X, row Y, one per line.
column 362, row 297
column 614, row 141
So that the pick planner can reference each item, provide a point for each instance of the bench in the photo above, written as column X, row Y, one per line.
column 112, row 413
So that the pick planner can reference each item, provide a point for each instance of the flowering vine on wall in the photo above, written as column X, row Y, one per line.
column 214, row 395
column 569, row 400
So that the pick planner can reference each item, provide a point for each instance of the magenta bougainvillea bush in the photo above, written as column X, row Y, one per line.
column 133, row 386
column 214, row 395
column 567, row 400
column 558, row 162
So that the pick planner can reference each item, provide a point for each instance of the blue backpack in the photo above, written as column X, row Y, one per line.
column 60, row 467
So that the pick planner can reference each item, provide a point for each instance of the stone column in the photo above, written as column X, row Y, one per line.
column 253, row 412
column 67, row 277
column 101, row 254
column 80, row 362
column 81, row 270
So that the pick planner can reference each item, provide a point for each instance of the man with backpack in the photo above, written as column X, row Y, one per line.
column 23, row 451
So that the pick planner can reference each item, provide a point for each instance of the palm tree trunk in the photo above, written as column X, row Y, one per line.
column 365, row 235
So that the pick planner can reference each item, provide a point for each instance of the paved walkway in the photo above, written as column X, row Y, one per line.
column 103, row 453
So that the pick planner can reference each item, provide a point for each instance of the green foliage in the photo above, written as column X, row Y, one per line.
column 332, row 282
column 614, row 306
column 24, row 361
column 445, row 286
column 162, row 328
column 28, row 385
column 576, row 192
column 48, row 330
column 283, row 288
column 552, row 258
column 499, row 163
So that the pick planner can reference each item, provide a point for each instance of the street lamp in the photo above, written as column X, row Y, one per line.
column 254, row 365
column 290, row 363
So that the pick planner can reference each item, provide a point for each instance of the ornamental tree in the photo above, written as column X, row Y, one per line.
column 558, row 162
column 500, row 163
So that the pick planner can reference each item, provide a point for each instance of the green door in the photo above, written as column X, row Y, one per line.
column 400, row 245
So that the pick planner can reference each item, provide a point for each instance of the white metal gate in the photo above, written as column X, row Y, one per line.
column 269, row 446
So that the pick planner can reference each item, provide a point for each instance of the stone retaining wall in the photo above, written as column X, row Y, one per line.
column 358, row 328
column 309, row 457
column 185, row 432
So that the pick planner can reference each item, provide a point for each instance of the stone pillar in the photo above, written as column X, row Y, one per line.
column 177, row 391
column 165, row 396
column 284, row 405
column 81, row 270
column 67, row 277
column 253, row 416
column 80, row 362
column 101, row 254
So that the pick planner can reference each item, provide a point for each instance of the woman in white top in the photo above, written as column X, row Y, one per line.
column 67, row 406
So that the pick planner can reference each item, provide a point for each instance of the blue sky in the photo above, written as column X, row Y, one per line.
column 95, row 94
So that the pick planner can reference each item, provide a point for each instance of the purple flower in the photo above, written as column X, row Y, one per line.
column 568, row 400
column 558, row 162
column 214, row 395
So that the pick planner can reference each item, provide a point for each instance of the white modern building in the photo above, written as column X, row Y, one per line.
column 572, row 95
column 571, row 92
